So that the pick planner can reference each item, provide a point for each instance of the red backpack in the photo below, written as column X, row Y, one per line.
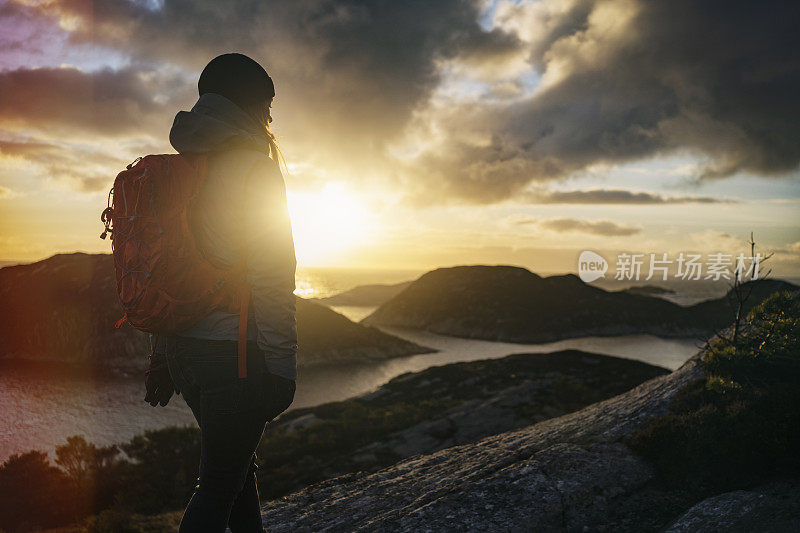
column 164, row 282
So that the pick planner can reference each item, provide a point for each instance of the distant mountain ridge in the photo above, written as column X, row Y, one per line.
column 365, row 295
column 64, row 308
column 512, row 304
column 649, row 290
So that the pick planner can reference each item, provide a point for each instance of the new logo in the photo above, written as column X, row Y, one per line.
column 591, row 266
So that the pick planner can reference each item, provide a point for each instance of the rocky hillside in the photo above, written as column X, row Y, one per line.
column 64, row 309
column 325, row 336
column 560, row 474
column 437, row 408
column 365, row 295
column 512, row 304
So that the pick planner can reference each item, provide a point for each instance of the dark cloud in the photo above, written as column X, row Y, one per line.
column 76, row 127
column 486, row 47
column 622, row 80
column 348, row 73
column 616, row 196
column 69, row 102
column 563, row 225
column 631, row 79
column 594, row 227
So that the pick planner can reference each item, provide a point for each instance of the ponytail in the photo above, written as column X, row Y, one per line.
column 275, row 153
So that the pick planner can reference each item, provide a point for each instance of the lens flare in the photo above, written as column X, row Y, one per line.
column 327, row 223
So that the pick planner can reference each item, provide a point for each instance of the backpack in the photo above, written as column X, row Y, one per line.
column 165, row 284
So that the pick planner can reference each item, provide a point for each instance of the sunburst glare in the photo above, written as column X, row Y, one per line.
column 327, row 223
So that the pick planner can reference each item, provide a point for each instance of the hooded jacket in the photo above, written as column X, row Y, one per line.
column 240, row 213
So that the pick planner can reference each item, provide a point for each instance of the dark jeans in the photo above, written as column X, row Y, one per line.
column 231, row 413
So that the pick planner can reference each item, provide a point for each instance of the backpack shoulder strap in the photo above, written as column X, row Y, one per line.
column 244, row 298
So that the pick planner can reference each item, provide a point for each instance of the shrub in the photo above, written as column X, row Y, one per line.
column 164, row 469
column 91, row 480
column 94, row 473
column 742, row 423
column 33, row 493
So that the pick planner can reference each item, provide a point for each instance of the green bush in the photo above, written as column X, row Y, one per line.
column 767, row 352
column 163, row 473
column 741, row 424
column 95, row 474
column 33, row 493
column 89, row 480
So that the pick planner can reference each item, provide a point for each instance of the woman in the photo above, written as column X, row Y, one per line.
column 240, row 214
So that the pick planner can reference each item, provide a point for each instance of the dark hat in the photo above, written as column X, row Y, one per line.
column 238, row 78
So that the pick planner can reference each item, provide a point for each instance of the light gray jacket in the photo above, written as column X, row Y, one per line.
column 242, row 213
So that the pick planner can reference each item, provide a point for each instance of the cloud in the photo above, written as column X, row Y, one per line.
column 789, row 249
column 711, row 239
column 614, row 196
column 618, row 80
column 624, row 80
column 604, row 228
column 68, row 102
column 79, row 169
column 7, row 194
column 78, row 128
column 348, row 74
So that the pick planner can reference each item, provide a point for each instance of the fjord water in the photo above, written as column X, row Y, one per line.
column 41, row 409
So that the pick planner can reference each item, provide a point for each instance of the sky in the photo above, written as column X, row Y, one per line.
column 423, row 134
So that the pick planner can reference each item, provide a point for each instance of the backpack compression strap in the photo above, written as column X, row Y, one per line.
column 244, row 297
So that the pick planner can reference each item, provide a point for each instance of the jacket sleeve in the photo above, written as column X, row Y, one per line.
column 271, row 265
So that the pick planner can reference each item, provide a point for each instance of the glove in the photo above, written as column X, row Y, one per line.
column 280, row 393
column 158, row 382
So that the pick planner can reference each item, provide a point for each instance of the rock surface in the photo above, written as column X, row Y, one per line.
column 567, row 473
column 774, row 508
column 507, row 394
column 512, row 304
column 437, row 408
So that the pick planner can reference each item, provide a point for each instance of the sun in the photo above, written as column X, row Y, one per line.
column 326, row 224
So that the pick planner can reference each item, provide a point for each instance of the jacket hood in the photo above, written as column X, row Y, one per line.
column 215, row 123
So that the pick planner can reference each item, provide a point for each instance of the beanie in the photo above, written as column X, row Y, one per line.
column 238, row 78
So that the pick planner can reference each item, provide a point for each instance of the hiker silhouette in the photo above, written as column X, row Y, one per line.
column 217, row 294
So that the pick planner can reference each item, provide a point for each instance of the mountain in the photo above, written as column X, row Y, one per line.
column 512, row 304
column 64, row 308
column 325, row 336
column 365, row 295
column 649, row 290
